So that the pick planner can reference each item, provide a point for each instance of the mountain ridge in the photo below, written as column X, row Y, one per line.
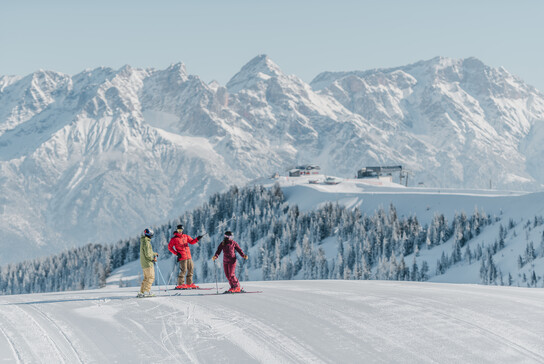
column 106, row 152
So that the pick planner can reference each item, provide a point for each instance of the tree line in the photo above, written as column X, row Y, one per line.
column 284, row 243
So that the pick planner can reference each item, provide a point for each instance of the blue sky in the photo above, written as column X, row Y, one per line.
column 216, row 38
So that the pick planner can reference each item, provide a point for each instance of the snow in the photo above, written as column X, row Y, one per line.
column 161, row 120
column 371, row 194
column 290, row 322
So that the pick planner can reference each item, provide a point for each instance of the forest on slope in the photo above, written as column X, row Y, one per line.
column 285, row 243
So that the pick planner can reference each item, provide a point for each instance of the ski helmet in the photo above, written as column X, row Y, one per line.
column 228, row 235
column 149, row 233
column 180, row 227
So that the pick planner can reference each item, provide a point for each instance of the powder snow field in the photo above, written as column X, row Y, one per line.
column 290, row 322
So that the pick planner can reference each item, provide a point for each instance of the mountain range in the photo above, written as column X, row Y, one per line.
column 98, row 156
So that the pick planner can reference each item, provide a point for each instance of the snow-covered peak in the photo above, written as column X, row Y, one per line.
column 442, row 66
column 214, row 84
column 5, row 81
column 260, row 68
column 262, row 64
column 23, row 98
column 261, row 83
column 178, row 71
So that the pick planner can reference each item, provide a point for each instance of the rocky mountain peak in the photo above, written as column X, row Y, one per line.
column 179, row 70
column 260, row 68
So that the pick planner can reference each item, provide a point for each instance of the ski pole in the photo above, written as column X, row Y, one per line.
column 157, row 282
column 157, row 275
column 159, row 270
column 220, row 224
column 225, row 222
column 215, row 274
column 173, row 269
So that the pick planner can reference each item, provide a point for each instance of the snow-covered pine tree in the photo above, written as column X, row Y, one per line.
column 414, row 273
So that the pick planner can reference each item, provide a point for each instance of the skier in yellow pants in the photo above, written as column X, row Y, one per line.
column 147, row 258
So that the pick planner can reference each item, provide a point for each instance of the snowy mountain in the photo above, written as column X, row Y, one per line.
column 101, row 154
column 290, row 322
column 457, row 123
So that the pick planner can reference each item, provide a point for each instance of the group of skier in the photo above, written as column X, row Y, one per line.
column 179, row 246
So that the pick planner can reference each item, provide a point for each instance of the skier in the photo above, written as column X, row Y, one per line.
column 179, row 245
column 229, row 248
column 147, row 258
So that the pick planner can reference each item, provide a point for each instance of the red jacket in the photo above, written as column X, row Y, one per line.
column 180, row 244
column 229, row 248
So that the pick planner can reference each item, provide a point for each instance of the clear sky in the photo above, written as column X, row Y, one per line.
column 214, row 39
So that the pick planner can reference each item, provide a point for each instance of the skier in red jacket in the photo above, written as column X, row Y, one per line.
column 229, row 248
column 179, row 245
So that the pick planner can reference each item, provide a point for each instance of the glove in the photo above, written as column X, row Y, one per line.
column 199, row 237
column 179, row 256
column 245, row 257
column 214, row 258
column 157, row 254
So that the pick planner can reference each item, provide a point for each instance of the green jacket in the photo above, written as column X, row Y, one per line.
column 147, row 255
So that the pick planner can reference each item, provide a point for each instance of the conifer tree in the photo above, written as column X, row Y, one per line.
column 533, row 279
column 414, row 273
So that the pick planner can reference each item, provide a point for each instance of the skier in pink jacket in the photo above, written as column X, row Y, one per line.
column 229, row 248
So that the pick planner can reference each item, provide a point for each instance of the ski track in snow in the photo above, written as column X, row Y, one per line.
column 477, row 329
column 71, row 347
column 11, row 345
column 32, row 341
column 290, row 322
column 480, row 324
column 259, row 340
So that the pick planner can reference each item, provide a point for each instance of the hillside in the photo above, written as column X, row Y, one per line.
column 98, row 155
column 517, row 222
column 290, row 322
column 354, row 230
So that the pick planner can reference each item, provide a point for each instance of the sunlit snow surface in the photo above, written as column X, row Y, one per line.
column 290, row 322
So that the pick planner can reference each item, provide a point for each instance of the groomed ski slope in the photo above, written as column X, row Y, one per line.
column 290, row 322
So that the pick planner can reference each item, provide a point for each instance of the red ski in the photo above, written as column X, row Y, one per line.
column 226, row 293
column 242, row 291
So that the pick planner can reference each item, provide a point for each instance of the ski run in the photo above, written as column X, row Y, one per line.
column 323, row 321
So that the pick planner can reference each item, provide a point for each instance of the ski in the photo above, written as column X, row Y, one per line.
column 182, row 292
column 147, row 296
column 226, row 293
column 190, row 289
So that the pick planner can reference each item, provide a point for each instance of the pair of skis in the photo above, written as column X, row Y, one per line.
column 201, row 294
column 226, row 293
column 178, row 292
column 207, row 294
